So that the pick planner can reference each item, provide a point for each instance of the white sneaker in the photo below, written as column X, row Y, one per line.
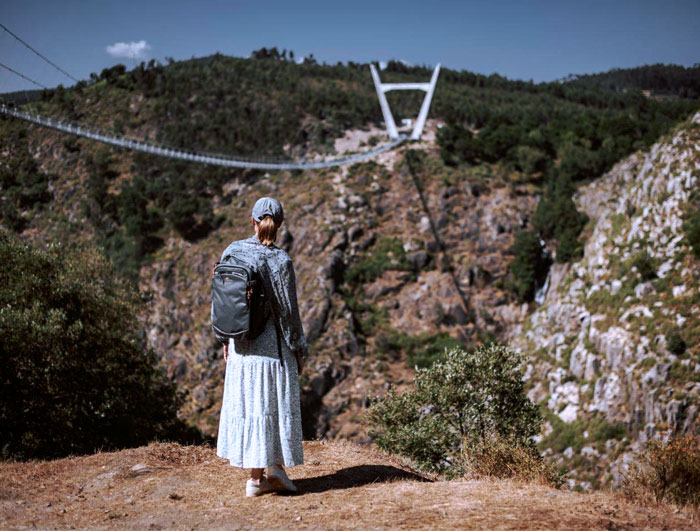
column 256, row 488
column 279, row 480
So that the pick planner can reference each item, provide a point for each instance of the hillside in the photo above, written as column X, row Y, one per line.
column 615, row 347
column 396, row 258
column 658, row 79
column 341, row 486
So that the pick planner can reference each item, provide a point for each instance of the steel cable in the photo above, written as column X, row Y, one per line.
column 40, row 55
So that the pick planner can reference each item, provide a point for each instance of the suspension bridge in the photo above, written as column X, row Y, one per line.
column 190, row 155
column 217, row 159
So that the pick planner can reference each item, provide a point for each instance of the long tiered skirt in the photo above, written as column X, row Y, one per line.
column 260, row 422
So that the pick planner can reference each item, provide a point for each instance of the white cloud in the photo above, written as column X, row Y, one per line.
column 129, row 50
column 382, row 65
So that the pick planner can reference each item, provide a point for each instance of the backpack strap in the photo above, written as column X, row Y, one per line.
column 279, row 342
column 274, row 319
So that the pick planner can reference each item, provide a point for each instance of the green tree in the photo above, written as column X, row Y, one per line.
column 692, row 232
column 557, row 217
column 530, row 265
column 77, row 375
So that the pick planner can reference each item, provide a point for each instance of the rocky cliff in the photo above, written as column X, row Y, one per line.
column 614, row 347
column 381, row 276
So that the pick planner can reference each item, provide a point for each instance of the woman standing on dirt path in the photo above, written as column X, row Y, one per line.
column 260, row 423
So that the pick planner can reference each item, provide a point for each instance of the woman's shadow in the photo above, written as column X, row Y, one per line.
column 355, row 476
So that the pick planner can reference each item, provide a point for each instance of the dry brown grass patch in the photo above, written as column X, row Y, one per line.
column 667, row 471
column 177, row 454
column 496, row 457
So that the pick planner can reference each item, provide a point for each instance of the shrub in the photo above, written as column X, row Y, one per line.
column 458, row 144
column 667, row 471
column 466, row 406
column 387, row 254
column 564, row 434
column 529, row 159
column 499, row 458
column 530, row 265
column 76, row 373
column 570, row 247
column 422, row 350
column 191, row 216
column 692, row 232
column 676, row 344
column 646, row 266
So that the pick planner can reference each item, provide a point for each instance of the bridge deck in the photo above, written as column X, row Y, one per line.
column 193, row 156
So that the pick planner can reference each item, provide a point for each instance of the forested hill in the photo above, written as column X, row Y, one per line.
column 268, row 105
column 673, row 80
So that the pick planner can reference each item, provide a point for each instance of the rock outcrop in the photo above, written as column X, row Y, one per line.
column 599, row 343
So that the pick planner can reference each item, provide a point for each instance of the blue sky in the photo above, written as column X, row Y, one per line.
column 536, row 39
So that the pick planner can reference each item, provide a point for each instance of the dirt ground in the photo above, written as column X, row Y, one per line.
column 341, row 486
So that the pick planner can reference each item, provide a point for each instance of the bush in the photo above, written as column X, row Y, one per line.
column 465, row 408
column 571, row 434
column 530, row 160
column 676, row 344
column 422, row 350
column 646, row 266
column 458, row 144
column 76, row 373
column 387, row 254
column 530, row 265
column 497, row 457
column 191, row 216
column 692, row 232
column 667, row 471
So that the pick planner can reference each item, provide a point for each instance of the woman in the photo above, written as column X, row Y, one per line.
column 260, row 423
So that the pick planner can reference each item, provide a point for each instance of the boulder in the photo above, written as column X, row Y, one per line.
column 577, row 363
column 368, row 241
column 657, row 375
column 200, row 394
column 418, row 259
column 643, row 290
column 606, row 392
column 454, row 313
column 355, row 232
column 334, row 268
column 316, row 322
column 592, row 366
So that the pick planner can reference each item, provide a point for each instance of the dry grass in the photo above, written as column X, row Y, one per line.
column 342, row 485
column 496, row 457
column 667, row 471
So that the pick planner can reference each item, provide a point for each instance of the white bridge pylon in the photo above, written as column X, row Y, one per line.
column 383, row 88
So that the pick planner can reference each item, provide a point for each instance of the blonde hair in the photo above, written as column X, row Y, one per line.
column 267, row 231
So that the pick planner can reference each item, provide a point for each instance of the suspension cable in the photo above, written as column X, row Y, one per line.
column 40, row 55
column 23, row 76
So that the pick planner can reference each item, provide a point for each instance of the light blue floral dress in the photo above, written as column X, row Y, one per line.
column 260, row 422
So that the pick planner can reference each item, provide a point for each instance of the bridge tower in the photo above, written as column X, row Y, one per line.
column 383, row 88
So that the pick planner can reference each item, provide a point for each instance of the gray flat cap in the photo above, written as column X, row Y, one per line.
column 267, row 206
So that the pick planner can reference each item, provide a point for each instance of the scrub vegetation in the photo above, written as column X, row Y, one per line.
column 77, row 375
column 467, row 414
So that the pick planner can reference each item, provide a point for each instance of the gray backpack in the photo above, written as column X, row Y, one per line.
column 240, row 307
